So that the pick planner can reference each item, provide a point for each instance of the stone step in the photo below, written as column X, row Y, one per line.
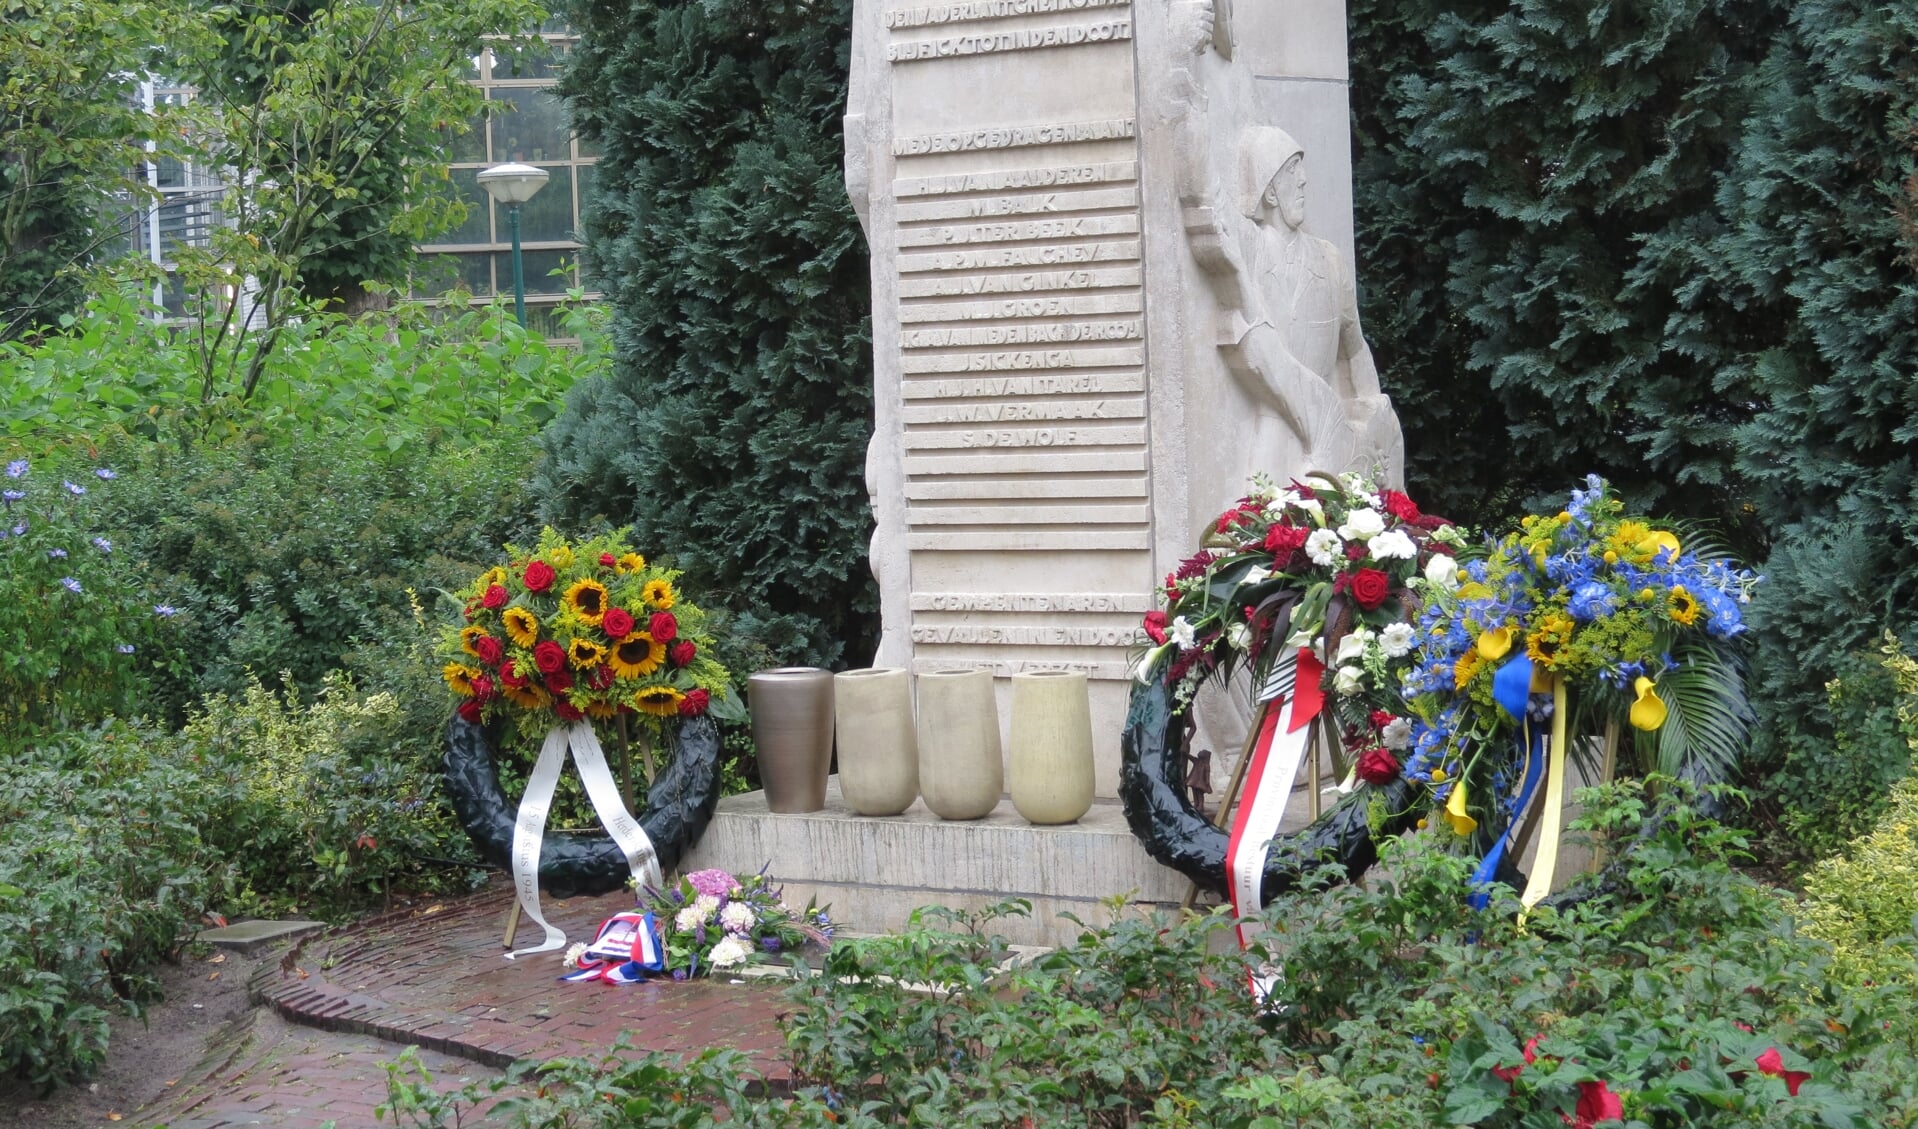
column 873, row 872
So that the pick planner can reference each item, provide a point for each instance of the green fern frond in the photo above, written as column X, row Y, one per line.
column 1707, row 729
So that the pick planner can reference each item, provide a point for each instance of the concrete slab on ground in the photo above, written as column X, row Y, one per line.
column 249, row 937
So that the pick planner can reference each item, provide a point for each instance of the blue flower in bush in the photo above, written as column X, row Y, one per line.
column 103, row 544
column 105, row 474
column 165, row 611
column 12, row 496
column 70, row 584
column 126, row 648
column 73, row 488
column 16, row 468
column 56, row 554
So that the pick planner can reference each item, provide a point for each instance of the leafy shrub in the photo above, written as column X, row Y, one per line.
column 1865, row 900
column 103, row 867
column 80, row 633
column 319, row 817
column 282, row 555
column 1837, row 772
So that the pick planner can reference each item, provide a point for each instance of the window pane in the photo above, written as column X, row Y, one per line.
column 548, row 216
column 474, row 230
column 539, row 266
column 533, row 129
column 469, row 146
column 434, row 275
column 475, row 272
column 545, row 59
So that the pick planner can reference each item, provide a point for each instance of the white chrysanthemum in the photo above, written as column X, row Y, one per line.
column 1324, row 547
column 1362, row 525
column 689, row 919
column 737, row 917
column 1349, row 681
column 1397, row 733
column 1182, row 633
column 1397, row 639
column 729, row 952
column 1442, row 571
column 571, row 960
column 1392, row 545
column 1352, row 647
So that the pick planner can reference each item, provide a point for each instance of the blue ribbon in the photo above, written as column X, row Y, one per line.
column 1512, row 690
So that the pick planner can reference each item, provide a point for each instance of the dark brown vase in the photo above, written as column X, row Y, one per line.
column 792, row 731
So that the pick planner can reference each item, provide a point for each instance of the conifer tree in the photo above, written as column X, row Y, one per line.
column 732, row 431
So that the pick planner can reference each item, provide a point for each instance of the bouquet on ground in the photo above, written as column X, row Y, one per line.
column 567, row 631
column 1327, row 564
column 1617, row 616
column 711, row 921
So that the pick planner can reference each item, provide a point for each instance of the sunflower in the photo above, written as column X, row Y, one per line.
column 470, row 637
column 585, row 653
column 636, row 656
column 1551, row 635
column 601, row 710
column 588, row 598
column 522, row 626
column 660, row 701
column 1466, row 669
column 659, row 594
column 460, row 677
column 630, row 562
column 1681, row 606
column 561, row 557
column 526, row 697
column 494, row 575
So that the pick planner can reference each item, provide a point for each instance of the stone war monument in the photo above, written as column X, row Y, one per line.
column 1112, row 278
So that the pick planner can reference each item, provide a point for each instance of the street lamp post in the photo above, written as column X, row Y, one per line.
column 511, row 185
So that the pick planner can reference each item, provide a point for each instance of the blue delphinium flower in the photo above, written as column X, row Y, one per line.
column 20, row 530
column 1582, row 499
column 70, row 584
column 16, row 468
column 1592, row 600
column 74, row 488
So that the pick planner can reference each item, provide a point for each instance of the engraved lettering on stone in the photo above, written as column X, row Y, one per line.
column 1041, row 334
column 1065, row 306
column 1027, row 412
column 1027, row 437
column 1002, row 257
column 975, row 488
column 1126, row 603
column 1035, row 636
column 999, row 362
column 1064, row 385
column 1081, row 227
column 1030, row 541
column 1003, row 460
column 1020, row 39
column 984, row 206
column 1103, row 172
column 989, row 10
column 1019, row 283
column 1015, row 137
column 1006, row 668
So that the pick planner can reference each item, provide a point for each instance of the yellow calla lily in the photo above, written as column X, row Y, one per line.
column 1493, row 644
column 1648, row 712
column 1455, row 814
column 1664, row 539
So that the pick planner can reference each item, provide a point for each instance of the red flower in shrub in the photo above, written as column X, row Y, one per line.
column 567, row 711
column 1282, row 540
column 1378, row 766
column 1399, row 506
column 682, row 652
column 1511, row 1073
column 617, row 623
column 549, row 656
column 663, row 627
column 1155, row 626
column 1773, row 1063
column 539, row 576
column 694, row 703
column 559, row 681
column 469, row 711
column 490, row 651
column 1596, row 1103
column 1370, row 587
column 607, row 560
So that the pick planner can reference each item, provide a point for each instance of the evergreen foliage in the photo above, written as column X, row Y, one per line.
column 731, row 433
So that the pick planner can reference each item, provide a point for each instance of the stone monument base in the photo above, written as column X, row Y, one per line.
column 874, row 871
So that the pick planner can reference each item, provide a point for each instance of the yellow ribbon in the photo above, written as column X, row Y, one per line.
column 1546, row 861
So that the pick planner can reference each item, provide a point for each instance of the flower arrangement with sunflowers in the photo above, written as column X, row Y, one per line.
column 1612, row 619
column 1324, row 563
column 567, row 631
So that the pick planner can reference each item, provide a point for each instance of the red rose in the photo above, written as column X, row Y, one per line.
column 482, row 688
column 539, row 576
column 1399, row 506
column 559, row 681
column 1282, row 540
column 490, row 651
column 616, row 623
column 681, row 653
column 549, row 656
column 1370, row 587
column 469, row 711
column 567, row 711
column 509, row 674
column 694, row 703
column 607, row 560
column 664, row 628
column 600, row 678
column 495, row 596
column 1378, row 766
column 1155, row 626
